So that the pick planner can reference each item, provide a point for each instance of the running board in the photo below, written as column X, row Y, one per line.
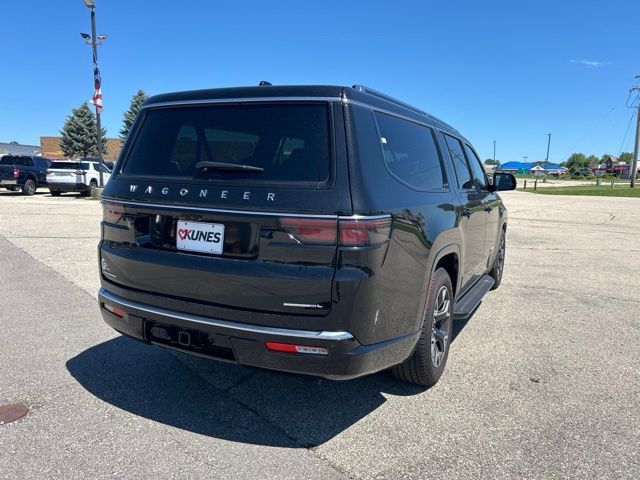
column 466, row 306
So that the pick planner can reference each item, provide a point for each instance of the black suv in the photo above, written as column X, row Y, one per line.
column 23, row 172
column 323, row 230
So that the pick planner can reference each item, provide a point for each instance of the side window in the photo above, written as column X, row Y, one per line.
column 479, row 176
column 28, row 162
column 460, row 165
column 410, row 152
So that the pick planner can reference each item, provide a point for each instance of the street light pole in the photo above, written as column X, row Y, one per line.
column 494, row 152
column 94, row 45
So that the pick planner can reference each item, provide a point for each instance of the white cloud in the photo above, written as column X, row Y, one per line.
column 590, row 63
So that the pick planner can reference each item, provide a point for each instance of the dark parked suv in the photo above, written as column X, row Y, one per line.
column 23, row 172
column 323, row 230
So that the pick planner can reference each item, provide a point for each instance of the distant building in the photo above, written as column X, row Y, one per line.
column 50, row 147
column 524, row 168
column 15, row 148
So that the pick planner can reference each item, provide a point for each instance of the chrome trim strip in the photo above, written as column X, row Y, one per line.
column 242, row 212
column 212, row 101
column 240, row 327
column 217, row 210
column 302, row 305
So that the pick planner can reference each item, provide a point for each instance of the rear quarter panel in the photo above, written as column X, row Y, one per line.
column 389, row 299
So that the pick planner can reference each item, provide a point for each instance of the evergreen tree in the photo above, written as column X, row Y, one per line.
column 130, row 115
column 79, row 134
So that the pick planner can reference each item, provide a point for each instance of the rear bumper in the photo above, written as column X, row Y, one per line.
column 68, row 187
column 245, row 343
column 9, row 183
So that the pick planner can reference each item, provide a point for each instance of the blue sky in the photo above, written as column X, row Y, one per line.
column 509, row 71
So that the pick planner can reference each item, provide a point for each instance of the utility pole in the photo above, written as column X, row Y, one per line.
column 546, row 161
column 95, row 41
column 494, row 152
column 634, row 164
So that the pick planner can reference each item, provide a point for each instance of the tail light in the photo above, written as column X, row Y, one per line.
column 16, row 172
column 79, row 172
column 49, row 171
column 311, row 230
column 356, row 232
column 366, row 231
column 112, row 212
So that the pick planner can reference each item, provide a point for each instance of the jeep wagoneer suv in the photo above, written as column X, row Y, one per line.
column 324, row 230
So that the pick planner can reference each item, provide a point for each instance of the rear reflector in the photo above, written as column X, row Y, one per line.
column 112, row 212
column 291, row 348
column 115, row 310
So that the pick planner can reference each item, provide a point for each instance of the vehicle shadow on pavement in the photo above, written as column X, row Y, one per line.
column 228, row 401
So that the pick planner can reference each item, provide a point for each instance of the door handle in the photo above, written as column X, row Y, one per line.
column 466, row 212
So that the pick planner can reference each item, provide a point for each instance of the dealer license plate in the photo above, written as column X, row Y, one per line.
column 200, row 237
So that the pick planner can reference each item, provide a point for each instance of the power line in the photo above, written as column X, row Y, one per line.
column 633, row 114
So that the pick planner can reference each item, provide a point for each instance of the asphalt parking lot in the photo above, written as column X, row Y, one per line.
column 543, row 382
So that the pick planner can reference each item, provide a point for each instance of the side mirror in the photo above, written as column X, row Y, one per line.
column 503, row 181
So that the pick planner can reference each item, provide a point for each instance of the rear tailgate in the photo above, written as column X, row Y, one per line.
column 262, row 241
column 6, row 173
column 262, row 265
column 65, row 173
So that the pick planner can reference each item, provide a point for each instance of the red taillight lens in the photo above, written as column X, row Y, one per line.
column 361, row 232
column 291, row 348
column 16, row 172
column 312, row 230
column 115, row 310
column 112, row 212
column 79, row 172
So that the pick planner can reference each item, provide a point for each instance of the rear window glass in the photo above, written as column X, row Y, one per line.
column 20, row 161
column 65, row 165
column 290, row 142
column 410, row 152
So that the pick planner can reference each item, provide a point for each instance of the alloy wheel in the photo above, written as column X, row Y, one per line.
column 440, row 327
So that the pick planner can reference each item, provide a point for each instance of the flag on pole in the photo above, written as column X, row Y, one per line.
column 97, row 84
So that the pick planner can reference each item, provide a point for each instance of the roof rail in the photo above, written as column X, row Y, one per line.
column 376, row 93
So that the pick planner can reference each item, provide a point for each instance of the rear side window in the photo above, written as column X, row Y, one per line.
column 410, row 152
column 460, row 165
column 290, row 142
column 8, row 160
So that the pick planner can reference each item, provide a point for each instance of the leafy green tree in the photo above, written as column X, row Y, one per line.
column 576, row 161
column 78, row 135
column 592, row 160
column 491, row 161
column 626, row 157
column 130, row 115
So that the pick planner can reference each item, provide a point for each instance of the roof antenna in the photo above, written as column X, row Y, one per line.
column 264, row 83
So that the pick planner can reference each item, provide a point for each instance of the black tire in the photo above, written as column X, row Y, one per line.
column 429, row 358
column 55, row 193
column 498, row 262
column 29, row 187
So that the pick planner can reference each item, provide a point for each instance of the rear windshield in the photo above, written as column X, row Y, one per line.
column 11, row 160
column 290, row 142
column 70, row 165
